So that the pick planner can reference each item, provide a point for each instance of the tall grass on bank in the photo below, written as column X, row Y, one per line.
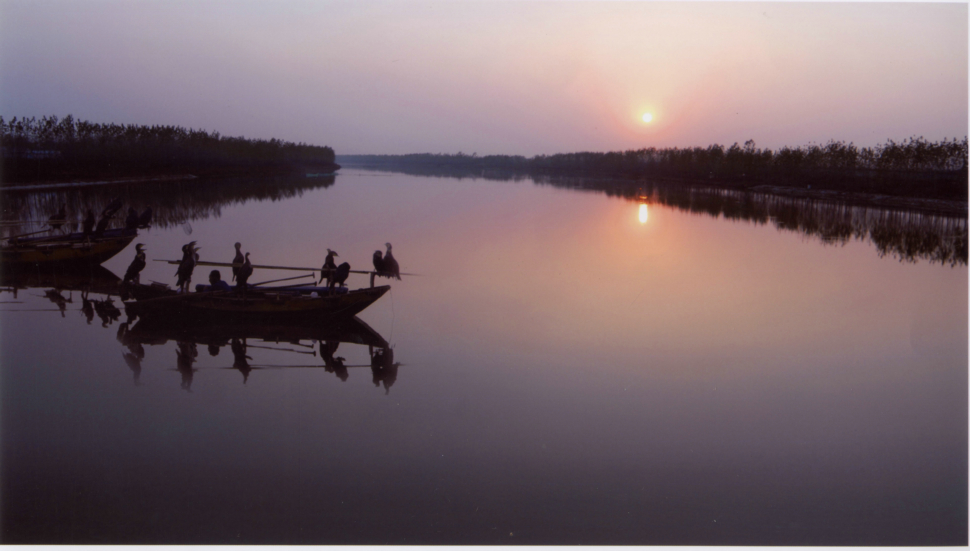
column 48, row 148
column 914, row 167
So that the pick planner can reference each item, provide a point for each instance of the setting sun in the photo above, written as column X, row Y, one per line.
column 647, row 117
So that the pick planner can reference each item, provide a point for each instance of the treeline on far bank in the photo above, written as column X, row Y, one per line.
column 915, row 167
column 52, row 150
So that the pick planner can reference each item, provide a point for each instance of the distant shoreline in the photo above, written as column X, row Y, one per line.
column 80, row 179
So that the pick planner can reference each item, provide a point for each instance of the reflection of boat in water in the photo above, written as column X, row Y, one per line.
column 70, row 249
column 240, row 338
column 159, row 330
column 256, row 304
column 87, row 278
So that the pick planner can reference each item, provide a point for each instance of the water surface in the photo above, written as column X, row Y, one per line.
column 568, row 375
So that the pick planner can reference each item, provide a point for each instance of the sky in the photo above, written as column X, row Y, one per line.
column 497, row 77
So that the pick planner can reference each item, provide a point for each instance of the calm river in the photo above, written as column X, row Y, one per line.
column 568, row 369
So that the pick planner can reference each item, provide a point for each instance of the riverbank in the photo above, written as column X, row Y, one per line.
column 81, row 179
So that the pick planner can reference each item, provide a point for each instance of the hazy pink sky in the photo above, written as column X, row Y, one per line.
column 495, row 77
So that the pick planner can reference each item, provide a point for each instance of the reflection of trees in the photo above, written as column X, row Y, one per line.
column 173, row 203
column 906, row 235
column 905, row 231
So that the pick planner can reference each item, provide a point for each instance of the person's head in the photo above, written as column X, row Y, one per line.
column 214, row 276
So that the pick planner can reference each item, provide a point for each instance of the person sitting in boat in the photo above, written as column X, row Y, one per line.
column 216, row 283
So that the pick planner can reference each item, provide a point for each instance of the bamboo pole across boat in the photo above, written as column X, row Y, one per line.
column 265, row 267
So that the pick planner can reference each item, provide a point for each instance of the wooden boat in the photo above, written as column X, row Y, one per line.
column 70, row 249
column 257, row 304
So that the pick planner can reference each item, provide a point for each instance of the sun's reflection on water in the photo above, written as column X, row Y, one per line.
column 643, row 213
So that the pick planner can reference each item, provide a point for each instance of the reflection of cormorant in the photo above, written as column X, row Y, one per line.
column 383, row 368
column 186, row 353
column 240, row 359
column 107, row 311
column 187, row 266
column 134, row 363
column 134, row 347
column 238, row 259
column 136, row 266
column 87, row 308
column 88, row 224
column 331, row 364
column 57, row 298
column 390, row 264
column 328, row 267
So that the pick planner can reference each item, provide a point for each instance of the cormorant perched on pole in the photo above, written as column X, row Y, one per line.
column 340, row 275
column 57, row 219
column 379, row 263
column 184, row 271
column 112, row 208
column 136, row 266
column 88, row 223
column 131, row 221
column 145, row 218
column 390, row 264
column 106, row 215
column 244, row 272
column 327, row 272
column 238, row 259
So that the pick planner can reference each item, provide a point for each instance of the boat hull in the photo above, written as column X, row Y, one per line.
column 70, row 250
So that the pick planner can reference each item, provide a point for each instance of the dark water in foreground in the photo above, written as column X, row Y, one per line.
column 567, row 375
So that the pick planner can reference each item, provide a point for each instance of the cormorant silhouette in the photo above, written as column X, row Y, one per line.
column 187, row 266
column 88, row 224
column 390, row 264
column 327, row 272
column 244, row 272
column 238, row 259
column 136, row 266
column 340, row 275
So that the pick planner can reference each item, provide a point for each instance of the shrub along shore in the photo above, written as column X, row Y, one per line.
column 59, row 150
column 912, row 168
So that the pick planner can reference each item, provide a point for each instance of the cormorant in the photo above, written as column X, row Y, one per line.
column 57, row 219
column 136, row 266
column 112, row 208
column 184, row 271
column 390, row 264
column 145, row 218
column 340, row 275
column 106, row 215
column 244, row 272
column 238, row 259
column 328, row 267
column 131, row 221
column 88, row 223
column 379, row 263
